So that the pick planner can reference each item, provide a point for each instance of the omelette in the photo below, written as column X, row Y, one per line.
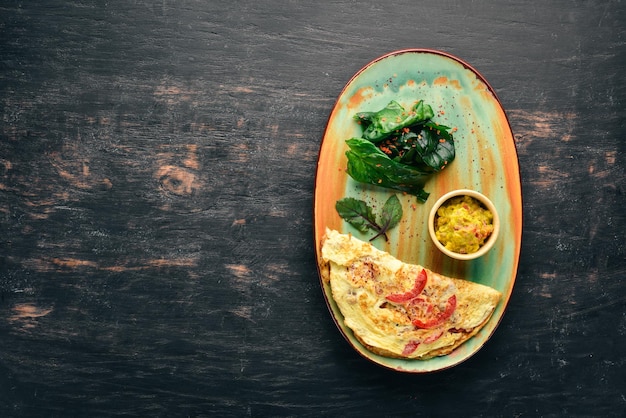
column 401, row 310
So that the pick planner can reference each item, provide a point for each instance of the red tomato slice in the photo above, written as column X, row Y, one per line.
column 438, row 318
column 418, row 286
column 434, row 337
column 410, row 347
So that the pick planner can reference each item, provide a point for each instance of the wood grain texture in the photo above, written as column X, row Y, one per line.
column 157, row 166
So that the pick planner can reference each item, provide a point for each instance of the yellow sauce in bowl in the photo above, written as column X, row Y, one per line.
column 463, row 224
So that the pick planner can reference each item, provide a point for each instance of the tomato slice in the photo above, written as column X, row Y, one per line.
column 433, row 337
column 410, row 347
column 439, row 318
column 418, row 286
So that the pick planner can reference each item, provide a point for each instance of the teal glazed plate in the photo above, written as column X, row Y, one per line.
column 486, row 161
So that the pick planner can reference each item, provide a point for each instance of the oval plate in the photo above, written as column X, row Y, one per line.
column 486, row 161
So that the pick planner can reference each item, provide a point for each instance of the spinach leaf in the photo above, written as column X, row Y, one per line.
column 383, row 123
column 429, row 147
column 360, row 215
column 400, row 150
column 439, row 152
column 368, row 164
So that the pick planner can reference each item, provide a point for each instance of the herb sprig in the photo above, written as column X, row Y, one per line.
column 361, row 216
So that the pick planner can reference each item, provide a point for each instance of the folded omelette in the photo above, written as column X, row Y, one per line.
column 397, row 309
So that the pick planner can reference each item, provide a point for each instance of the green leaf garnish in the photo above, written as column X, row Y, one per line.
column 368, row 164
column 361, row 216
column 357, row 213
column 379, row 125
column 400, row 149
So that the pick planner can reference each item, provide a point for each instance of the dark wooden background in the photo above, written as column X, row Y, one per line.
column 157, row 163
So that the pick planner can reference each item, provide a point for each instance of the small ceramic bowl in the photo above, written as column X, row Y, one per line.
column 486, row 203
